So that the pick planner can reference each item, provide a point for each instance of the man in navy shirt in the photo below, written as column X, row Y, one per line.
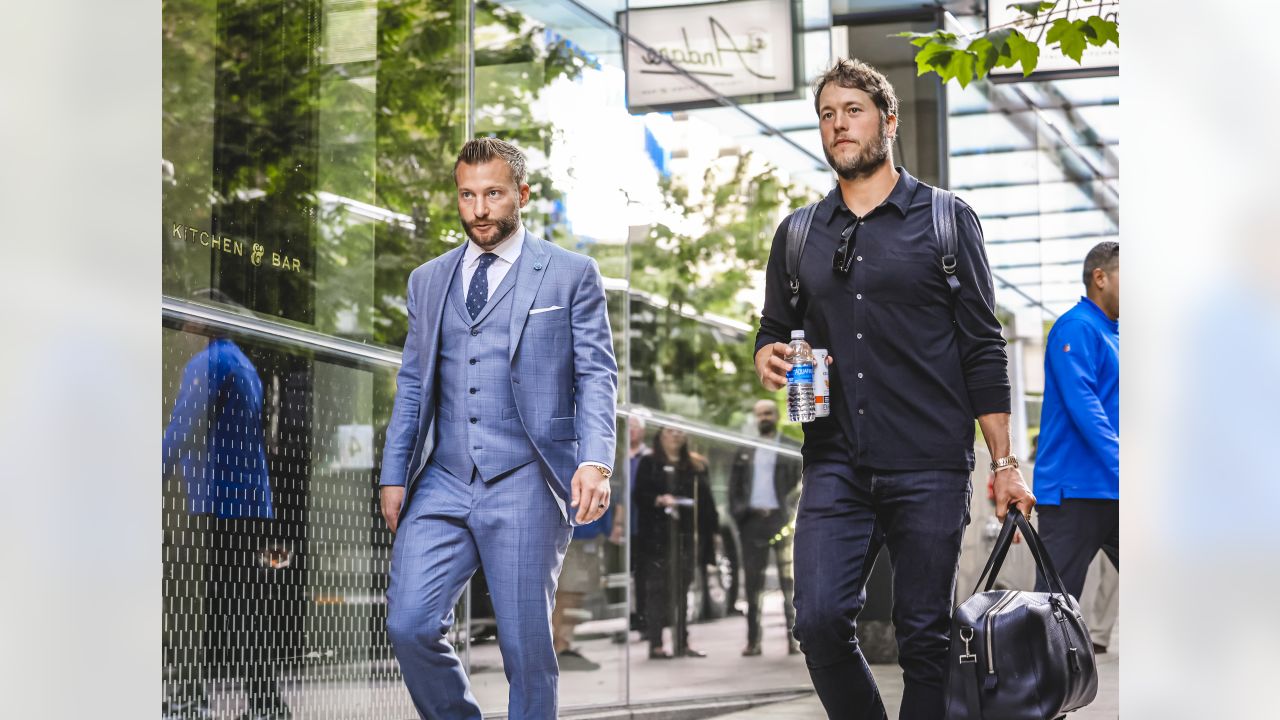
column 1078, row 468
column 912, row 367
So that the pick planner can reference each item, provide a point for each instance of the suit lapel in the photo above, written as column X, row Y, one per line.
column 531, row 270
column 437, row 296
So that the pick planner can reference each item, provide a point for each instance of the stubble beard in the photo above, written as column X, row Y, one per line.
column 503, row 227
column 866, row 161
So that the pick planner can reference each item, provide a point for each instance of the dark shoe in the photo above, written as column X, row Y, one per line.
column 659, row 654
column 572, row 661
column 691, row 653
column 752, row 650
column 1099, row 649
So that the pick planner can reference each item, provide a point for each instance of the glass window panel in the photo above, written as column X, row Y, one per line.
column 275, row 553
column 308, row 153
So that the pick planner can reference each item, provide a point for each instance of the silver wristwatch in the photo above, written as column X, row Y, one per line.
column 1004, row 463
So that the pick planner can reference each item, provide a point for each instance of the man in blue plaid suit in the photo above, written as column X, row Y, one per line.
column 500, row 441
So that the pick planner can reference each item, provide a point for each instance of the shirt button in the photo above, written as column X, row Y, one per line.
column 473, row 360
column 859, row 296
column 859, row 258
column 476, row 420
column 859, row 377
column 861, row 411
column 859, row 337
column 864, row 222
column 473, row 390
column 475, row 332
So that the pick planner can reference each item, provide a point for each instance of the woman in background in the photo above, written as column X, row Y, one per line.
column 677, row 521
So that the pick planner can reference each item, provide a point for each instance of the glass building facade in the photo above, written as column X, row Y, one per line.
column 308, row 153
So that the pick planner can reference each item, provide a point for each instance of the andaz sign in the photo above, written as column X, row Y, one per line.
column 743, row 48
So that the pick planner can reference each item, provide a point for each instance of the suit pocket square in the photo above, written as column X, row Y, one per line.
column 537, row 311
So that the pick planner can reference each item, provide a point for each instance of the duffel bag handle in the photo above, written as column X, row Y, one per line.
column 1044, row 564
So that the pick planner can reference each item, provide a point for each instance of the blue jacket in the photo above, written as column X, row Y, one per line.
column 563, row 374
column 214, row 439
column 1079, row 449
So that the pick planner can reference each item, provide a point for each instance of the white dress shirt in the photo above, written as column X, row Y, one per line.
column 508, row 251
column 764, row 496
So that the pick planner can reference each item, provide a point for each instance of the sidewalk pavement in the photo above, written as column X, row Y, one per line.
column 889, row 678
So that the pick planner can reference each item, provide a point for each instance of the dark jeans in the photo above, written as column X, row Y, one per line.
column 1073, row 533
column 760, row 539
column 845, row 516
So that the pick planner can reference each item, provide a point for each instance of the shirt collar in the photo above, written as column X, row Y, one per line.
column 508, row 249
column 1095, row 308
column 900, row 197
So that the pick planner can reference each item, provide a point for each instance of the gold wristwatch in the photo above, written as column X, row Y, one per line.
column 604, row 469
column 1004, row 463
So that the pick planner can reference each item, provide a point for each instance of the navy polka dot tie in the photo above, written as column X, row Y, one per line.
column 478, row 293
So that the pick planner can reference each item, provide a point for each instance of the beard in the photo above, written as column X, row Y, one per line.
column 766, row 427
column 504, row 226
column 865, row 161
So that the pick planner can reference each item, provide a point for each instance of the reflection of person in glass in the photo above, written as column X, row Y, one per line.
column 214, row 444
column 917, row 355
column 677, row 524
column 500, row 439
column 762, row 493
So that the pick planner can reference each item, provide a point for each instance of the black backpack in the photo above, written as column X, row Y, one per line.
column 944, row 229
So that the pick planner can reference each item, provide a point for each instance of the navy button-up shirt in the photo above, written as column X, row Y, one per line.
column 912, row 366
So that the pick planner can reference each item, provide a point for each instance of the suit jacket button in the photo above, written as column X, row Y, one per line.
column 475, row 420
column 473, row 361
column 475, row 332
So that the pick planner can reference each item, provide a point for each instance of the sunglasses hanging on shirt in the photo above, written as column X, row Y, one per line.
column 844, row 253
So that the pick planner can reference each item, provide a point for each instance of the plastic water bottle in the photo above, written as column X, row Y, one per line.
column 800, row 406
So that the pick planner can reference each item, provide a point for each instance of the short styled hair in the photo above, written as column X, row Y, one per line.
column 1104, row 255
column 484, row 149
column 852, row 73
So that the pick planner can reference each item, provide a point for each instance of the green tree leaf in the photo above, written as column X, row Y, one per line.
column 1069, row 35
column 961, row 66
column 985, row 55
column 1023, row 52
column 935, row 57
column 1105, row 31
column 1032, row 8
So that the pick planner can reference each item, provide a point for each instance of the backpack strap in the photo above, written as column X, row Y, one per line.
column 944, row 228
column 797, row 234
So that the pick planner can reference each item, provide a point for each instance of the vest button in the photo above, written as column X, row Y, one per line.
column 475, row 420
column 473, row 361
column 473, row 391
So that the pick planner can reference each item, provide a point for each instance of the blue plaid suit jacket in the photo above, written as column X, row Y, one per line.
column 563, row 372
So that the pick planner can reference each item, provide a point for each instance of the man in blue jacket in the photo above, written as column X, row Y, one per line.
column 1077, row 479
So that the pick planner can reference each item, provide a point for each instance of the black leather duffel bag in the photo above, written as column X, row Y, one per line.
column 1019, row 655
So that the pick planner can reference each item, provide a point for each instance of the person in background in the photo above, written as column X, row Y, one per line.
column 677, row 520
column 636, row 449
column 579, row 577
column 214, row 443
column 1078, row 463
column 762, row 494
